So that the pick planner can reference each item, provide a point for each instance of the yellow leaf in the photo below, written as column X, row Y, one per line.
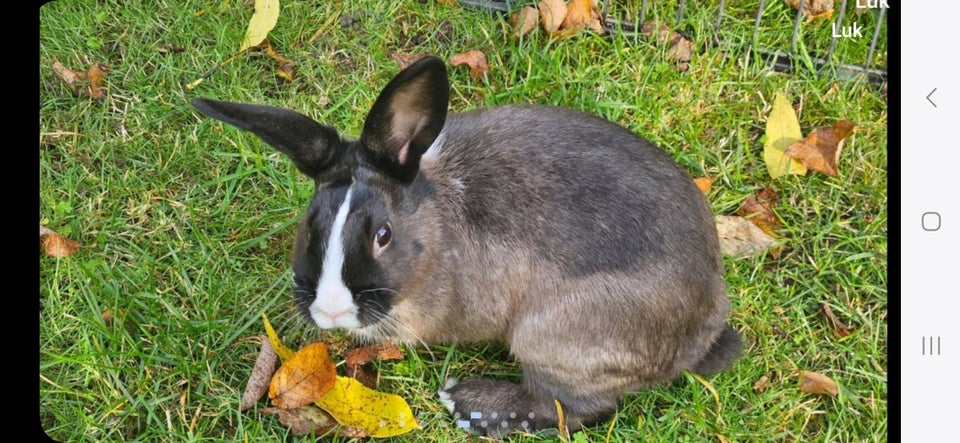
column 303, row 378
column 564, row 434
column 783, row 130
column 282, row 351
column 264, row 18
column 379, row 414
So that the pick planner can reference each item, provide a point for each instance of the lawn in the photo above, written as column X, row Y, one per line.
column 149, row 331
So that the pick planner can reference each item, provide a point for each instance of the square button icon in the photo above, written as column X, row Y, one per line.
column 930, row 221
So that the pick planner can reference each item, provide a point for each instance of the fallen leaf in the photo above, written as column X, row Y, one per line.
column 265, row 14
column 56, row 245
column 582, row 14
column 659, row 32
column 563, row 432
column 524, row 21
column 286, row 69
column 783, row 130
column 758, row 208
column 740, row 239
column 680, row 49
column 304, row 420
column 405, row 60
column 380, row 351
column 358, row 408
column 552, row 13
column 762, row 384
column 260, row 377
column 377, row 413
column 96, row 75
column 476, row 60
column 357, row 361
column 303, row 378
column 107, row 317
column 817, row 383
column 282, row 351
column 814, row 8
column 820, row 150
column 94, row 78
column 69, row 77
column 704, row 183
column 838, row 326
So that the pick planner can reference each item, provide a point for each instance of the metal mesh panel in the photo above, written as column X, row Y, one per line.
column 771, row 33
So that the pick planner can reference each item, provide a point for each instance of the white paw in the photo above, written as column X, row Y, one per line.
column 445, row 396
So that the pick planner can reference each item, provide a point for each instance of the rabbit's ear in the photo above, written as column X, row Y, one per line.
column 314, row 148
column 406, row 118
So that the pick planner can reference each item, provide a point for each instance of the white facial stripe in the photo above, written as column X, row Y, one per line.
column 333, row 306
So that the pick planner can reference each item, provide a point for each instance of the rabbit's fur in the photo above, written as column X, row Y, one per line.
column 580, row 244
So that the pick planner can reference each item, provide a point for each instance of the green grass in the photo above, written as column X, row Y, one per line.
column 148, row 332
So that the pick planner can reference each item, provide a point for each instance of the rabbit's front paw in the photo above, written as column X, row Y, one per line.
column 495, row 408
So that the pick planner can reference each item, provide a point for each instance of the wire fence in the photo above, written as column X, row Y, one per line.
column 849, row 43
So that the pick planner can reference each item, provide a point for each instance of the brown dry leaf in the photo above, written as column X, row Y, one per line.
column 552, row 13
column 659, row 32
column 107, row 316
column 94, row 78
column 680, row 48
column 56, row 245
column 762, row 384
column 448, row 2
column 681, row 51
column 758, row 209
column 259, row 380
column 817, row 383
column 380, row 351
column 405, row 60
column 740, row 239
column 814, row 8
column 582, row 14
column 69, row 77
column 476, row 60
column 524, row 21
column 96, row 74
column 838, row 326
column 303, row 378
column 308, row 419
column 286, row 68
column 820, row 149
column 704, row 183
column 357, row 359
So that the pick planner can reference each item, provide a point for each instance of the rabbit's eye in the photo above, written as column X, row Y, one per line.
column 383, row 235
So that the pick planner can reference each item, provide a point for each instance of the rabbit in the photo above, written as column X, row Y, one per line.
column 576, row 242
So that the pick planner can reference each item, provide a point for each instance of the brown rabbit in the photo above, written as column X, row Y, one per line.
column 580, row 244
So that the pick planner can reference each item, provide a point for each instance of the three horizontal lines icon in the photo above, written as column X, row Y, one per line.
column 925, row 348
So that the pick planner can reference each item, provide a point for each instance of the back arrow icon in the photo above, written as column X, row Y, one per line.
column 928, row 97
